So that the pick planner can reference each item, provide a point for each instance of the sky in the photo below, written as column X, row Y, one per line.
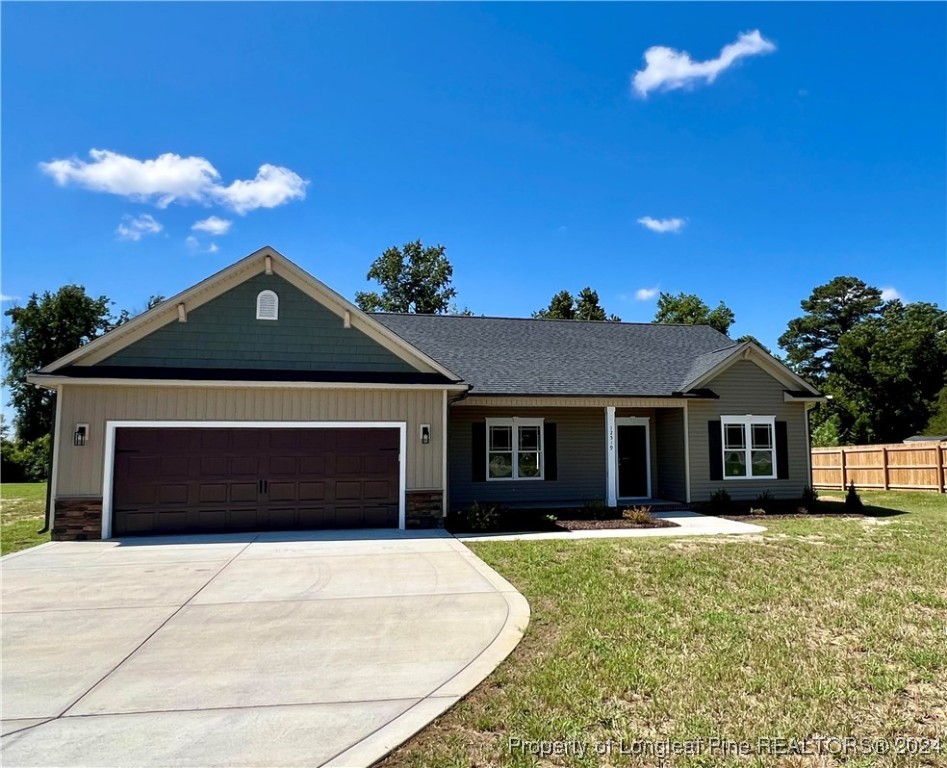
column 743, row 152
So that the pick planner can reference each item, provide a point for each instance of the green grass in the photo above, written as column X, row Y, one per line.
column 22, row 507
column 820, row 626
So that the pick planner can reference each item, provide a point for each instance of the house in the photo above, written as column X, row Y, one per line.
column 261, row 399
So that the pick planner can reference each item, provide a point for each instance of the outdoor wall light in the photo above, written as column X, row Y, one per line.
column 425, row 434
column 81, row 435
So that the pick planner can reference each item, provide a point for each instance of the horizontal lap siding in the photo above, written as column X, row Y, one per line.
column 80, row 468
column 580, row 441
column 745, row 388
column 224, row 333
column 672, row 483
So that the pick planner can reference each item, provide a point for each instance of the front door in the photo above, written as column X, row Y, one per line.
column 633, row 458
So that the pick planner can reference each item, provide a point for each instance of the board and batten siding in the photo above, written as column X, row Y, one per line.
column 671, row 477
column 745, row 388
column 80, row 467
column 580, row 442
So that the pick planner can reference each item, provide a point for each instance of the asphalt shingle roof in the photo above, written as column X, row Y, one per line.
column 563, row 357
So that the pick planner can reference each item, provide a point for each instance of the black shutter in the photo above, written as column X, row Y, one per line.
column 478, row 451
column 782, row 451
column 551, row 469
column 715, row 447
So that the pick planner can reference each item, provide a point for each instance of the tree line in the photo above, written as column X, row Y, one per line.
column 884, row 363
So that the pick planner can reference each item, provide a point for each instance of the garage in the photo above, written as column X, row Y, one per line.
column 177, row 479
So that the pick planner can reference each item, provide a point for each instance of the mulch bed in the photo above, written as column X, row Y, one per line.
column 592, row 525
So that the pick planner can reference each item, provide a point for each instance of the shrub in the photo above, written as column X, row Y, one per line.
column 638, row 515
column 809, row 501
column 482, row 517
column 25, row 462
column 595, row 510
column 719, row 501
column 853, row 503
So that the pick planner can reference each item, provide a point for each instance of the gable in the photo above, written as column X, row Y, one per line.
column 748, row 387
column 225, row 333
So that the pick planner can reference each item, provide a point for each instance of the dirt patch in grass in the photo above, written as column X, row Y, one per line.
column 592, row 525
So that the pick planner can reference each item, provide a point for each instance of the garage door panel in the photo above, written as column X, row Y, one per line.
column 216, row 493
column 211, row 466
column 283, row 465
column 245, row 465
column 172, row 494
column 377, row 489
column 217, row 479
column 244, row 492
column 312, row 491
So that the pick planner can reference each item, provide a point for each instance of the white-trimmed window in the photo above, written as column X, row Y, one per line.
column 514, row 449
column 267, row 305
column 749, row 447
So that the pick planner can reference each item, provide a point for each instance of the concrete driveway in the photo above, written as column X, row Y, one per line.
column 258, row 650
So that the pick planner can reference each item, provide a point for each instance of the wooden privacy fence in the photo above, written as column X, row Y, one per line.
column 898, row 466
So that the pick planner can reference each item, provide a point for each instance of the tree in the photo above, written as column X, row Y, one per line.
column 563, row 306
column 750, row 337
column 938, row 422
column 413, row 278
column 154, row 301
column 690, row 309
column 45, row 329
column 831, row 310
column 887, row 373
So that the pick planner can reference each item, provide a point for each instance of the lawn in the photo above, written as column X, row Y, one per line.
column 821, row 627
column 22, row 507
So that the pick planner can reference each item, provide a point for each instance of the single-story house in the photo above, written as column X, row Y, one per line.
column 261, row 399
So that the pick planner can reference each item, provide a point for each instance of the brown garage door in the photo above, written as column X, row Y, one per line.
column 170, row 479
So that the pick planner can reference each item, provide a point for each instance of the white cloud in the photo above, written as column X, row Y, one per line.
column 272, row 186
column 213, row 225
column 195, row 245
column 134, row 227
column 661, row 225
column 890, row 294
column 171, row 178
column 668, row 69
column 5, row 297
column 212, row 248
column 643, row 294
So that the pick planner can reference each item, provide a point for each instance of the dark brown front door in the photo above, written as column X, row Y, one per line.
column 172, row 480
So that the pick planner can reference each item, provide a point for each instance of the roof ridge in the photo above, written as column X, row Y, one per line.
column 545, row 320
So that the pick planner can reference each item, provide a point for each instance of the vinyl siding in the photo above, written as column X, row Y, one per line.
column 80, row 468
column 672, row 481
column 224, row 333
column 580, row 441
column 745, row 388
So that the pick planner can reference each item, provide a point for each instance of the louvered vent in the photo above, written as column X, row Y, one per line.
column 267, row 306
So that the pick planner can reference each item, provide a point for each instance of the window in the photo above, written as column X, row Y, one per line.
column 267, row 306
column 514, row 449
column 749, row 450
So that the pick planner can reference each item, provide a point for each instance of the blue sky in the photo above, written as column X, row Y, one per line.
column 512, row 134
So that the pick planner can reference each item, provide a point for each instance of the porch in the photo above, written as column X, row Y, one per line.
column 564, row 452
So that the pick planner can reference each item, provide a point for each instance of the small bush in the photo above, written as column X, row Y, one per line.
column 719, row 502
column 809, row 501
column 762, row 498
column 595, row 510
column 638, row 515
column 853, row 502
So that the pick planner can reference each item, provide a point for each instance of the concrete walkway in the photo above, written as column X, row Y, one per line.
column 688, row 524
column 260, row 650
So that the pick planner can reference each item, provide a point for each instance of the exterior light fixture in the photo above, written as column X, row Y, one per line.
column 425, row 434
column 81, row 436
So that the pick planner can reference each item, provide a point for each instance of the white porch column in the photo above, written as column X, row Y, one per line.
column 611, row 489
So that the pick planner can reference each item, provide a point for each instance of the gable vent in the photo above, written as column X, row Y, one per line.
column 267, row 306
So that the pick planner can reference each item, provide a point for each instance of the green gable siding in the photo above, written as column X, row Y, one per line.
column 224, row 333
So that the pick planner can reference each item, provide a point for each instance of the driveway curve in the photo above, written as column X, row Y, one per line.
column 295, row 649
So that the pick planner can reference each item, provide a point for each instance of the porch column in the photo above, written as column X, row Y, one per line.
column 611, row 488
